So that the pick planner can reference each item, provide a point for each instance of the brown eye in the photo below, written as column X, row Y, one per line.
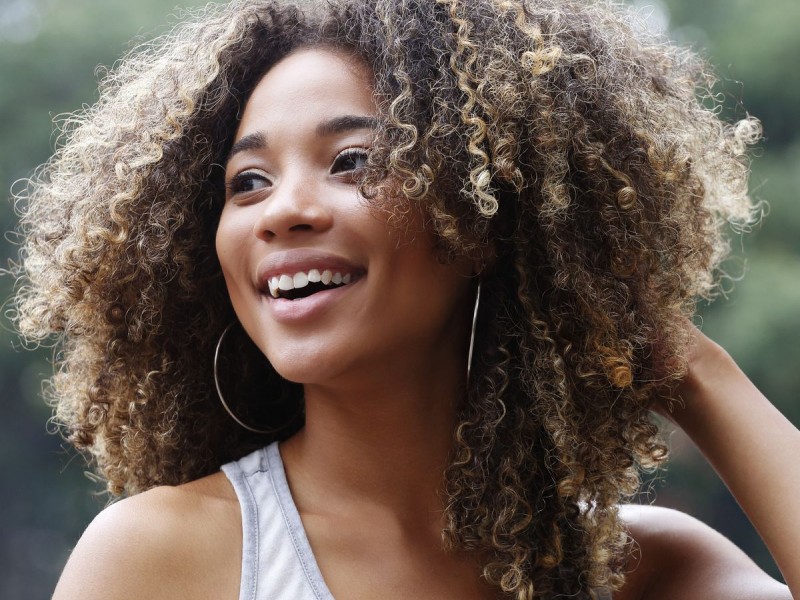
column 348, row 161
column 248, row 181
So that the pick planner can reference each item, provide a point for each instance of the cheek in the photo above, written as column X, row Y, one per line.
column 230, row 244
column 221, row 239
column 436, row 295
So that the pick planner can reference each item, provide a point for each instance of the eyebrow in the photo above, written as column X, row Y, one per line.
column 258, row 140
column 252, row 141
column 346, row 123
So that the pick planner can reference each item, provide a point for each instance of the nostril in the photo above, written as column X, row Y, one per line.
column 301, row 227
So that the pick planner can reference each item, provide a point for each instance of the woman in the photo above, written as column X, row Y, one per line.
column 464, row 239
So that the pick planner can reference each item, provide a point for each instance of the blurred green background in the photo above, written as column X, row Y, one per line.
column 50, row 51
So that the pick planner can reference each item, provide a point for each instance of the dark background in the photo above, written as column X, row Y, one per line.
column 50, row 51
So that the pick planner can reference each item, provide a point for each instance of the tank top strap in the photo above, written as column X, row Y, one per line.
column 277, row 561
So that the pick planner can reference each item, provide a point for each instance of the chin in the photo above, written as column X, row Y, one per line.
column 307, row 369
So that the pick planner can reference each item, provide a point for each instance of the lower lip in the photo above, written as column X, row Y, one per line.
column 304, row 309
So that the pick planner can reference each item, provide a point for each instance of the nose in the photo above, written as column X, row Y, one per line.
column 294, row 207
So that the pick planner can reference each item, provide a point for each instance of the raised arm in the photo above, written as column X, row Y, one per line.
column 752, row 446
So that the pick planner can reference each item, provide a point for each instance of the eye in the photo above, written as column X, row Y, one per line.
column 247, row 181
column 350, row 161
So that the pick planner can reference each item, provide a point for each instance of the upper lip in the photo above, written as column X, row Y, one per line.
column 290, row 262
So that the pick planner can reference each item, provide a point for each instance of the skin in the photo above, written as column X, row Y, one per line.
column 382, row 364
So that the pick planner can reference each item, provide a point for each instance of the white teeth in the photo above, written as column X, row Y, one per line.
column 285, row 283
column 300, row 280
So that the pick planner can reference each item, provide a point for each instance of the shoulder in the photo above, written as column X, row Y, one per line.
column 168, row 542
column 676, row 556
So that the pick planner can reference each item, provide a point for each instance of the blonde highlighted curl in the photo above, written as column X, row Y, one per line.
column 579, row 158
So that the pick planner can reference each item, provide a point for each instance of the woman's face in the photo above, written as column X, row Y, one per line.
column 322, row 283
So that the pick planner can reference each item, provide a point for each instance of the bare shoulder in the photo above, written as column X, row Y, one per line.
column 169, row 542
column 677, row 556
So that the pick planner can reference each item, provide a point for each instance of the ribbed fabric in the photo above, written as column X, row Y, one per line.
column 277, row 562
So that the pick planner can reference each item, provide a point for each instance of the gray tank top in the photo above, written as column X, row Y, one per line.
column 277, row 562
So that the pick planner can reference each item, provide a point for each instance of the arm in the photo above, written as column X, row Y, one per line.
column 754, row 448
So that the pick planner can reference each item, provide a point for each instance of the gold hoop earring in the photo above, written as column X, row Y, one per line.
column 472, row 333
column 225, row 404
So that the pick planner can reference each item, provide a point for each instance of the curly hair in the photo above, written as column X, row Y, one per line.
column 580, row 158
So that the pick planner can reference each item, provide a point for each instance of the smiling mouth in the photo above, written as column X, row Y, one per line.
column 305, row 284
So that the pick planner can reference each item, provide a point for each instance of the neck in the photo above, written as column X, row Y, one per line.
column 381, row 442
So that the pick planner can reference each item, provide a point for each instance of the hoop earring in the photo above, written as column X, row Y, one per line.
column 225, row 404
column 472, row 333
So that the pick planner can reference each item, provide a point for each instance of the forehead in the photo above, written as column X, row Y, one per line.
column 310, row 84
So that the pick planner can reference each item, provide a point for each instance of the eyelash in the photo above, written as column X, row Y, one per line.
column 243, row 182
column 349, row 154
